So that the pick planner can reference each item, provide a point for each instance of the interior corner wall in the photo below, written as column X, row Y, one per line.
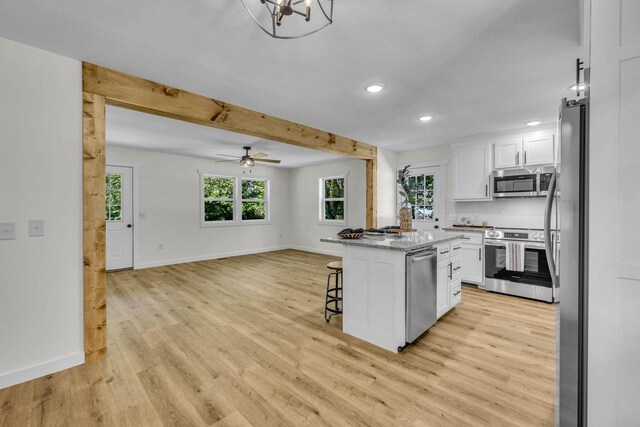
column 41, row 324
column 306, row 231
column 169, row 187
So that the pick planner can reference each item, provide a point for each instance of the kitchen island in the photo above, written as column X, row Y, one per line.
column 378, row 305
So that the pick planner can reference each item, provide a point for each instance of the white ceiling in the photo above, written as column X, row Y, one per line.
column 481, row 66
column 132, row 129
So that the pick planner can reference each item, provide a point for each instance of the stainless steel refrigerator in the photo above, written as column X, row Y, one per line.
column 569, row 193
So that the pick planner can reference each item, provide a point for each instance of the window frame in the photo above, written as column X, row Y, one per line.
column 322, row 199
column 236, row 201
column 266, row 201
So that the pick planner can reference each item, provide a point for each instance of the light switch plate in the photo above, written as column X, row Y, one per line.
column 36, row 228
column 7, row 231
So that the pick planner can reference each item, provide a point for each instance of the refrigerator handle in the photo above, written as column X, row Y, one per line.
column 548, row 243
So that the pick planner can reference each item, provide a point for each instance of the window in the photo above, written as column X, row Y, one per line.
column 113, row 192
column 254, row 198
column 421, row 196
column 218, row 198
column 333, row 196
column 228, row 200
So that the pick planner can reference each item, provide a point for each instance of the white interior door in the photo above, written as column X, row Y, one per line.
column 119, row 214
column 427, row 197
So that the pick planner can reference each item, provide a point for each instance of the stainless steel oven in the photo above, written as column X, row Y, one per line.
column 522, row 182
column 534, row 281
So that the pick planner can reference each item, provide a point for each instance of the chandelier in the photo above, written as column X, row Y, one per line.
column 290, row 19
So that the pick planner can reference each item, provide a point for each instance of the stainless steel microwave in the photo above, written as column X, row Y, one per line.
column 522, row 182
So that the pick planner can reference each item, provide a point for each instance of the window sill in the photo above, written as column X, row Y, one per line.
column 234, row 223
column 336, row 223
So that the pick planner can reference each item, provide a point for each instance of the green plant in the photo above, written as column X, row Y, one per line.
column 405, row 187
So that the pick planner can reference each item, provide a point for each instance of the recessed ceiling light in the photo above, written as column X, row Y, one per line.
column 374, row 87
column 533, row 123
column 425, row 118
column 576, row 87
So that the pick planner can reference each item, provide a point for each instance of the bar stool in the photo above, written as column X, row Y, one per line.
column 334, row 295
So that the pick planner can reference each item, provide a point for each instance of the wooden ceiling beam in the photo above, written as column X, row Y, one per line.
column 124, row 90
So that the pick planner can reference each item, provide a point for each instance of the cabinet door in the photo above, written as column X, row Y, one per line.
column 538, row 150
column 507, row 154
column 471, row 170
column 472, row 262
column 442, row 298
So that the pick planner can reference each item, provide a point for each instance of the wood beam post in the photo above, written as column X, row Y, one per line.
column 94, row 225
column 102, row 86
column 372, row 192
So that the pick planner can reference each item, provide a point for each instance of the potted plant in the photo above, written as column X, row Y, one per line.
column 405, row 193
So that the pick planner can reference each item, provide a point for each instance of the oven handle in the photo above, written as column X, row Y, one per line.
column 500, row 243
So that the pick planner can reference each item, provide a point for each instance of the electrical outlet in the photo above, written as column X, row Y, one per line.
column 36, row 228
column 7, row 231
column 160, row 245
column 142, row 215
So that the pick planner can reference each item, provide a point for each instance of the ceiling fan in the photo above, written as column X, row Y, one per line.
column 247, row 160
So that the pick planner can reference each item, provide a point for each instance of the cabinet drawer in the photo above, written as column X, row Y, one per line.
column 455, row 293
column 472, row 238
column 455, row 249
column 455, row 270
column 444, row 253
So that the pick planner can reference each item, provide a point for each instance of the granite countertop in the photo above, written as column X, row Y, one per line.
column 417, row 240
column 467, row 229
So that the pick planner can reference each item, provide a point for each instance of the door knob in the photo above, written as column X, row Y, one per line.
column 129, row 225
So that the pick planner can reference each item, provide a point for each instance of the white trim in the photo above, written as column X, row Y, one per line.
column 40, row 370
column 164, row 262
column 135, row 214
column 316, row 250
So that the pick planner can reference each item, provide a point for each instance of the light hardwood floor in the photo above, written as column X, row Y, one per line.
column 243, row 341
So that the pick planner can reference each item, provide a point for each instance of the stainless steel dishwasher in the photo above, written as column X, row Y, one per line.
column 421, row 298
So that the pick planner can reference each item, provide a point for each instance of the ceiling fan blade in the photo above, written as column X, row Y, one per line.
column 260, row 155
column 225, row 161
column 226, row 155
column 267, row 160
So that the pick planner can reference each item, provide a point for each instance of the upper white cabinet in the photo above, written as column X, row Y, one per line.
column 508, row 154
column 530, row 151
column 471, row 173
column 538, row 150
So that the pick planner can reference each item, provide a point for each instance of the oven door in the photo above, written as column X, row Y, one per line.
column 534, row 282
column 515, row 184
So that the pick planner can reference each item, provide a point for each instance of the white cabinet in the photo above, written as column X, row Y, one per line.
column 442, row 293
column 471, row 173
column 449, row 274
column 472, row 264
column 530, row 151
column 508, row 154
column 538, row 150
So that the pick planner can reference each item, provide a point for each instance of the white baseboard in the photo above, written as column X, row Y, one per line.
column 174, row 261
column 164, row 262
column 316, row 250
column 40, row 370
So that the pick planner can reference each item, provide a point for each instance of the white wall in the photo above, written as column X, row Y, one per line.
column 170, row 201
column 305, row 230
column 521, row 212
column 40, row 178
column 614, row 203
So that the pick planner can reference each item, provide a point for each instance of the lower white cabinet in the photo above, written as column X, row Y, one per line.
column 472, row 264
column 449, row 274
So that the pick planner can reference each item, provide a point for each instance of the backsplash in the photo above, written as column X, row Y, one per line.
column 506, row 213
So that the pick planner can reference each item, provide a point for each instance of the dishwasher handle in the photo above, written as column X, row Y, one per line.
column 423, row 258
